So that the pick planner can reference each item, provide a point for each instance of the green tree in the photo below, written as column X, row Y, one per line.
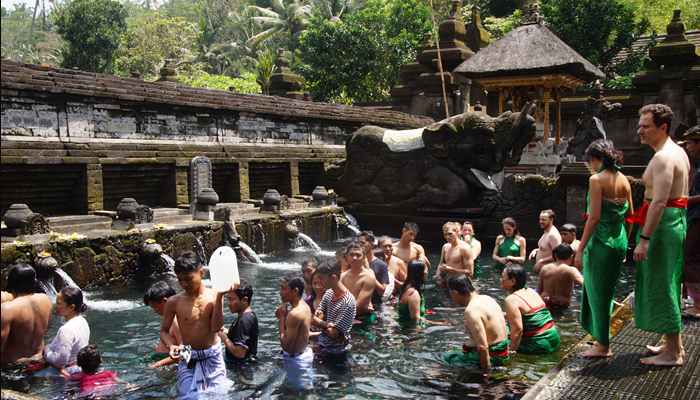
column 659, row 12
column 202, row 79
column 285, row 18
column 597, row 29
column 152, row 38
column 92, row 29
column 264, row 68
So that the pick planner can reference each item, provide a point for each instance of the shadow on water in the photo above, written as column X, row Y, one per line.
column 390, row 360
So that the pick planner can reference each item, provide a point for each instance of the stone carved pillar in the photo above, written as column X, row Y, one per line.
column 244, row 180
column 294, row 177
column 181, row 181
column 95, row 191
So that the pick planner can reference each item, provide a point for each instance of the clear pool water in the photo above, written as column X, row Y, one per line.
column 391, row 361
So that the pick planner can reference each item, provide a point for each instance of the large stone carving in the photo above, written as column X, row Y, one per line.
column 590, row 124
column 21, row 220
column 446, row 164
column 203, row 198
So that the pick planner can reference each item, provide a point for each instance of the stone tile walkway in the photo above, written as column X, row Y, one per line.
column 623, row 377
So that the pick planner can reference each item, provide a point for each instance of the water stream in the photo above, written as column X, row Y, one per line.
column 392, row 361
column 306, row 240
column 249, row 252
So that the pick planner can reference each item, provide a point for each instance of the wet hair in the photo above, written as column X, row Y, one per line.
column 604, row 150
column 73, row 296
column 461, row 284
column 383, row 239
column 369, row 235
column 354, row 245
column 158, row 292
column 21, row 278
column 550, row 213
column 568, row 228
column 411, row 226
column 293, row 281
column 246, row 291
column 562, row 252
column 451, row 225
column 341, row 252
column 660, row 113
column 310, row 263
column 187, row 262
column 89, row 359
column 415, row 275
column 517, row 272
column 328, row 268
column 511, row 222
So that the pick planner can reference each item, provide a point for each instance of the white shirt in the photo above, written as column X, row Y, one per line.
column 70, row 338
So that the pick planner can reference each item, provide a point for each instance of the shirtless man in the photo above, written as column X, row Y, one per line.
column 360, row 281
column 486, row 325
column 5, row 296
column 156, row 297
column 294, row 326
column 397, row 267
column 660, row 241
column 456, row 257
column 378, row 266
column 200, row 315
column 407, row 250
column 557, row 279
column 548, row 241
column 568, row 236
column 25, row 319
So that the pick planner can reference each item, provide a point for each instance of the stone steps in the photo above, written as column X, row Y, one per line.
column 79, row 223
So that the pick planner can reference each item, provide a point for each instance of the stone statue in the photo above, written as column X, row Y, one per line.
column 446, row 164
column 589, row 125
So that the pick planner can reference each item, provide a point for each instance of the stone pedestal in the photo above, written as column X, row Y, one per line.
column 284, row 82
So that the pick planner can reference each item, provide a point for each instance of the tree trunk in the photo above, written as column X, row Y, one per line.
column 31, row 30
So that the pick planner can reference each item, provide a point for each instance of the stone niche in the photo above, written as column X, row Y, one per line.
column 267, row 175
column 149, row 184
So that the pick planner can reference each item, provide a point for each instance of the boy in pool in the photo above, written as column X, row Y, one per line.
column 294, row 318
column 155, row 297
column 200, row 313
column 93, row 382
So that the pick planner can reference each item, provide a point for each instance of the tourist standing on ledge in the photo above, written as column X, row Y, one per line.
column 568, row 236
column 456, row 257
column 548, row 241
column 659, row 251
column 484, row 321
column 532, row 329
column 155, row 297
column 469, row 237
column 383, row 282
column 200, row 314
column 408, row 250
column 604, row 242
column 294, row 326
column 557, row 279
column 241, row 340
column 397, row 268
column 691, row 273
column 360, row 281
column 25, row 318
column 510, row 246
column 73, row 335
column 334, row 316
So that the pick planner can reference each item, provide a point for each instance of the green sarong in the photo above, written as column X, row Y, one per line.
column 657, row 296
column 368, row 319
column 405, row 313
column 498, row 352
column 508, row 247
column 540, row 336
column 602, row 261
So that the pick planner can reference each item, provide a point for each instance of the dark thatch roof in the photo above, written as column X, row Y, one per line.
column 528, row 50
column 59, row 81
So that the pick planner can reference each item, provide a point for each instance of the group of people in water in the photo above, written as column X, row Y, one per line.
column 321, row 305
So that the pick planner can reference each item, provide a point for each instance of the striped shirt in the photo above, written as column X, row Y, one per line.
column 340, row 312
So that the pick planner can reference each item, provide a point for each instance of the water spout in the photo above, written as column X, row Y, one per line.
column 259, row 232
column 199, row 249
column 355, row 230
column 67, row 280
column 48, row 288
column 249, row 253
column 309, row 242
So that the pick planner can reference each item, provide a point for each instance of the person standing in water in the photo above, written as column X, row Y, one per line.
column 294, row 328
column 548, row 241
column 532, row 329
column 468, row 236
column 604, row 242
column 308, row 267
column 568, row 236
column 407, row 249
column 411, row 300
column 360, row 281
column 200, row 314
column 73, row 335
column 659, row 251
column 456, row 257
column 155, row 297
column 510, row 246
column 383, row 281
column 241, row 339
column 25, row 318
column 557, row 279
column 484, row 321
column 397, row 267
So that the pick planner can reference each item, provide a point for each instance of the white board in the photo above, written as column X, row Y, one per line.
column 223, row 269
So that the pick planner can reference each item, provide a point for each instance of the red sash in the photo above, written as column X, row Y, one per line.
column 640, row 216
column 539, row 330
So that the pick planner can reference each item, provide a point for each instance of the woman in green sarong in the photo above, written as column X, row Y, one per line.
column 532, row 329
column 603, row 244
column 510, row 246
column 411, row 300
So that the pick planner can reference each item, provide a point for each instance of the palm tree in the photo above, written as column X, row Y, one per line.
column 334, row 9
column 284, row 18
column 264, row 68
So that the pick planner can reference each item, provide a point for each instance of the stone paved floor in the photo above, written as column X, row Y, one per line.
column 623, row 377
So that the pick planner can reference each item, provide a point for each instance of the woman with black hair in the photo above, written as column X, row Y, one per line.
column 604, row 242
column 63, row 350
column 532, row 329
column 411, row 300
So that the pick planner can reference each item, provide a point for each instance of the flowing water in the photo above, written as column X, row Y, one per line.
column 308, row 242
column 249, row 252
column 391, row 361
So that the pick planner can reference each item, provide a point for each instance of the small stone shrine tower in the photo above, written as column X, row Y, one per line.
column 284, row 82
